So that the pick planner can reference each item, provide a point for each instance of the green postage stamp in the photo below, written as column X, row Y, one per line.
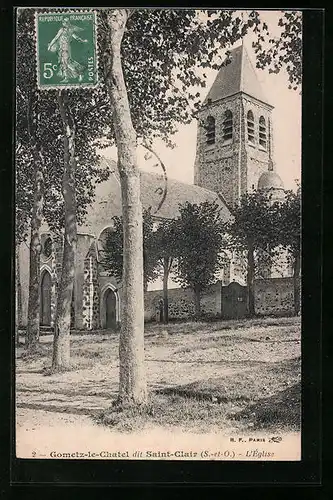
column 66, row 45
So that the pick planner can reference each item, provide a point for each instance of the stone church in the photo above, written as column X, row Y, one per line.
column 234, row 155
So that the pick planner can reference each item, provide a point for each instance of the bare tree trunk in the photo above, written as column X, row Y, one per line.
column 18, row 304
column 197, row 302
column 296, row 279
column 132, row 377
column 250, row 281
column 166, row 270
column 145, row 284
column 32, row 336
column 61, row 343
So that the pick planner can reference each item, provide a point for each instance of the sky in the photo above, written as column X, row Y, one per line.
column 286, row 124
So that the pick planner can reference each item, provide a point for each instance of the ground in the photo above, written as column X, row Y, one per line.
column 223, row 378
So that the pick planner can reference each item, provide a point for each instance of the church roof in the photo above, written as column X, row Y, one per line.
column 107, row 202
column 236, row 76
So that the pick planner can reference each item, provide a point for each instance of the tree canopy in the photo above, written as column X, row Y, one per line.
column 200, row 243
column 284, row 51
column 163, row 66
column 289, row 222
column 112, row 252
column 38, row 124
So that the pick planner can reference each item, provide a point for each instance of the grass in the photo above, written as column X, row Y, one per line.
column 244, row 385
column 218, row 325
column 279, row 411
column 259, row 402
column 168, row 411
column 219, row 376
column 76, row 363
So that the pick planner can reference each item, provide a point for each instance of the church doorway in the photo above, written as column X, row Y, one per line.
column 45, row 299
column 110, row 302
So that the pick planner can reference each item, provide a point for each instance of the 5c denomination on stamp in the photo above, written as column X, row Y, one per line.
column 66, row 44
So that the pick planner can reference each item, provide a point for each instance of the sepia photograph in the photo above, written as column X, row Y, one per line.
column 158, row 234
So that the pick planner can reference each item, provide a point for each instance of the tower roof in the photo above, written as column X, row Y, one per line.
column 270, row 180
column 237, row 76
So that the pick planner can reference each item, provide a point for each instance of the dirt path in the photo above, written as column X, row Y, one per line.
column 54, row 413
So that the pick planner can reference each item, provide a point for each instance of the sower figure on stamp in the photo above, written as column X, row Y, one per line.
column 61, row 43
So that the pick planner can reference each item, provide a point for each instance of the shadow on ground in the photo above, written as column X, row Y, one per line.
column 280, row 410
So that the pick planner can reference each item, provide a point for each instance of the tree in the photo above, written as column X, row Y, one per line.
column 71, row 123
column 252, row 229
column 61, row 347
column 289, row 235
column 112, row 259
column 23, row 190
column 153, row 56
column 159, row 251
column 30, row 147
column 166, row 238
column 132, row 379
column 39, row 162
column 200, row 244
column 284, row 51
column 138, row 72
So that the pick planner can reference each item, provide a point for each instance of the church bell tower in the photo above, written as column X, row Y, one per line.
column 234, row 139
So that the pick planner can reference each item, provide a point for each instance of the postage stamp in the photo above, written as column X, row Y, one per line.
column 66, row 50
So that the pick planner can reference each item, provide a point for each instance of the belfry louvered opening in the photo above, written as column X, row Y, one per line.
column 262, row 133
column 210, row 130
column 250, row 127
column 227, row 126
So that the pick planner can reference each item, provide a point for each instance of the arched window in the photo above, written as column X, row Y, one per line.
column 262, row 132
column 250, row 127
column 210, row 130
column 103, row 241
column 47, row 248
column 227, row 126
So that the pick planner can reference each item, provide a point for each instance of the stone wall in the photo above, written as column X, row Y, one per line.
column 181, row 303
column 84, row 244
column 90, row 293
column 51, row 264
column 274, row 296
column 216, row 165
column 56, row 265
column 232, row 167
column 256, row 159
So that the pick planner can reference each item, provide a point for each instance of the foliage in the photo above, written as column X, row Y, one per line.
column 253, row 224
column 284, row 51
column 38, row 125
column 191, row 40
column 112, row 259
column 166, row 237
column 290, row 222
column 199, row 243
column 23, row 191
column 253, row 231
column 165, row 53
